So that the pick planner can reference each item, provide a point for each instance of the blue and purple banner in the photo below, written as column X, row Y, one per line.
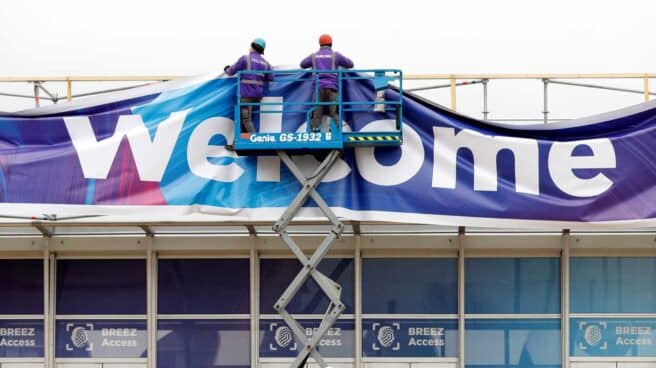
column 158, row 152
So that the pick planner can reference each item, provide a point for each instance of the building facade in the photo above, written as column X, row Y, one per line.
column 415, row 297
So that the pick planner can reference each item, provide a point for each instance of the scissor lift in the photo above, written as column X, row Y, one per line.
column 330, row 143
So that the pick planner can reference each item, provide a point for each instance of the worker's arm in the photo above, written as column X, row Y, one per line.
column 269, row 76
column 343, row 61
column 237, row 66
column 307, row 62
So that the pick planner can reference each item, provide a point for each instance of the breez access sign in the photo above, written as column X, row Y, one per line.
column 409, row 338
column 613, row 337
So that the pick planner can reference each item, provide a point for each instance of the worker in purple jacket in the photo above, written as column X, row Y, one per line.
column 251, row 87
column 326, row 59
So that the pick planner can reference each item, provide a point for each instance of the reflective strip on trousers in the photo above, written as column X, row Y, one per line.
column 252, row 81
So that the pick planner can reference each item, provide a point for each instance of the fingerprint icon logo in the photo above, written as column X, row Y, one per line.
column 592, row 335
column 386, row 336
column 283, row 336
column 79, row 337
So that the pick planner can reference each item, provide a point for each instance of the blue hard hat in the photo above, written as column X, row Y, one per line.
column 260, row 42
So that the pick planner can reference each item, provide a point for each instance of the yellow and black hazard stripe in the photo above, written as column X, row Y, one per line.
column 376, row 138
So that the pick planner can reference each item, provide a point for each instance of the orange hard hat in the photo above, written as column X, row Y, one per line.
column 325, row 39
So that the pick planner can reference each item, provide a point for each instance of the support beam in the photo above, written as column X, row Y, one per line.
column 453, row 94
column 36, row 94
column 147, row 230
column 357, row 261
column 50, row 327
column 69, row 89
column 43, row 229
column 357, row 230
column 608, row 88
column 545, row 109
column 151, row 312
column 465, row 83
column 47, row 317
column 485, row 110
column 461, row 297
column 254, row 260
column 646, row 87
column 564, row 309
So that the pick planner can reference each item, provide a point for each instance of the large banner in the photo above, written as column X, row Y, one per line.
column 157, row 153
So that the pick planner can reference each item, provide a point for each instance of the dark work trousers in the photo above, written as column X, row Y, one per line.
column 247, row 114
column 325, row 95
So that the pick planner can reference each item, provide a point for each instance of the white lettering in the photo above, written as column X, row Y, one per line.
column 199, row 151
column 484, row 150
column 562, row 165
column 150, row 156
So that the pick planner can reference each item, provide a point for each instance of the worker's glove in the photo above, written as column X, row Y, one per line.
column 225, row 68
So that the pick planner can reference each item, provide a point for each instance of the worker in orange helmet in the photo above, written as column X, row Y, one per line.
column 326, row 59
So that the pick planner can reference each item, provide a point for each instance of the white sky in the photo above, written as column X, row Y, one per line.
column 489, row 36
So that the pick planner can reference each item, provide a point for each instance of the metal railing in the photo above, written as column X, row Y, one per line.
column 453, row 81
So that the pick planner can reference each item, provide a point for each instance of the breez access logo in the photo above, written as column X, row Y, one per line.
column 79, row 337
column 282, row 335
column 593, row 335
column 385, row 336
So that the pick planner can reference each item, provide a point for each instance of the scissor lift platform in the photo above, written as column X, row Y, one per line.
column 296, row 113
column 331, row 143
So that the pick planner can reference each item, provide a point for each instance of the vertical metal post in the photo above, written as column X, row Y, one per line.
column 36, row 94
column 69, row 89
column 564, row 312
column 646, row 87
column 461, row 297
column 254, row 296
column 485, row 112
column 545, row 109
column 357, row 259
column 151, row 312
column 50, row 358
column 453, row 94
column 46, row 301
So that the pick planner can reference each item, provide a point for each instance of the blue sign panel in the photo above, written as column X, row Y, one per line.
column 278, row 341
column 410, row 338
column 101, row 339
column 21, row 338
column 203, row 343
column 634, row 337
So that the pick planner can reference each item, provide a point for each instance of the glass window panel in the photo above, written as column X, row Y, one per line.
column 203, row 286
column 101, row 286
column 21, row 286
column 520, row 343
column 276, row 274
column 410, row 285
column 613, row 285
column 203, row 343
column 512, row 285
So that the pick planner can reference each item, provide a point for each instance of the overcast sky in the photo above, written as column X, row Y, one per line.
column 192, row 37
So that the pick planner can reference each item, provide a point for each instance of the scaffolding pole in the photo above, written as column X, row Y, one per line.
column 587, row 85
column 485, row 111
column 545, row 110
